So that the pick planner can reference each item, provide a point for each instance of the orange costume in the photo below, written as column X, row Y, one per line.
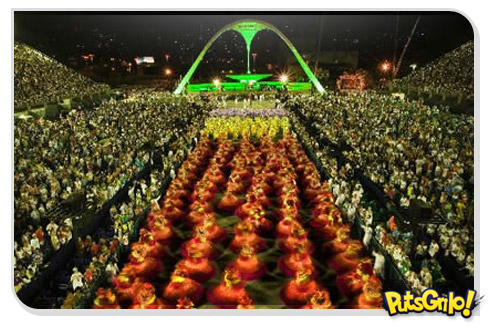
column 319, row 300
column 230, row 293
column 248, row 265
column 106, row 299
column 352, row 282
column 181, row 286
column 145, row 298
column 199, row 269
column 141, row 265
column 298, row 292
column 246, row 236
column 370, row 297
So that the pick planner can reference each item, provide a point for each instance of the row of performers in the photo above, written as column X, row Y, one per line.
column 260, row 173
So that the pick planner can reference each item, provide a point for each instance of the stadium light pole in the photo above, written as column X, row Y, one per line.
column 385, row 67
column 217, row 83
column 254, row 56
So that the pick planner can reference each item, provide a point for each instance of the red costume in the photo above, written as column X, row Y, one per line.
column 163, row 232
column 183, row 287
column 196, row 217
column 319, row 300
column 106, row 299
column 341, row 242
column 295, row 262
column 205, row 193
column 326, row 214
column 248, row 265
column 172, row 212
column 184, row 303
column 230, row 202
column 348, row 259
column 198, row 269
column 141, row 265
column 352, row 282
column 284, row 227
column 123, row 286
column 298, row 237
column 215, row 175
column 198, row 247
column 370, row 298
column 154, row 249
column 212, row 231
column 245, row 236
column 298, row 292
column 230, row 293
column 247, row 208
column 145, row 298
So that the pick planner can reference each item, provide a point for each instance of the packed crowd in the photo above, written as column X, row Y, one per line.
column 450, row 75
column 125, row 221
column 419, row 270
column 98, row 259
column 413, row 152
column 33, row 250
column 92, row 153
column 39, row 79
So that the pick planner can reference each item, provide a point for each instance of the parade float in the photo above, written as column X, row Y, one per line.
column 349, row 83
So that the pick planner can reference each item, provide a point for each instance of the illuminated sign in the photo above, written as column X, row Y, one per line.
column 144, row 60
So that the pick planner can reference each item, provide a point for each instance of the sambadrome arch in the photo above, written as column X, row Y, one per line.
column 248, row 29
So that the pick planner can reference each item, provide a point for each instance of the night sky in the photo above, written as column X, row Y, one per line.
column 64, row 35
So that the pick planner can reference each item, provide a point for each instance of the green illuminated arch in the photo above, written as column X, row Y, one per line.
column 248, row 29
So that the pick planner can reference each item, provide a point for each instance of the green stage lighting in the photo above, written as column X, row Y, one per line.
column 248, row 29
